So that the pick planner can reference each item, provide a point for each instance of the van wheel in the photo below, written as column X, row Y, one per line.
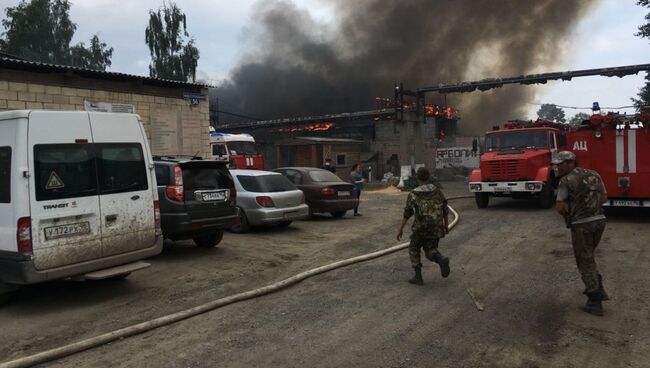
column 243, row 226
column 285, row 223
column 7, row 293
column 482, row 199
column 208, row 240
column 339, row 214
column 546, row 196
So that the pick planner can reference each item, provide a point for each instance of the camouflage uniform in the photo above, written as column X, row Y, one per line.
column 581, row 189
column 427, row 203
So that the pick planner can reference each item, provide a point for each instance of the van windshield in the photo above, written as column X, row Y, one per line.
column 64, row 171
column 5, row 174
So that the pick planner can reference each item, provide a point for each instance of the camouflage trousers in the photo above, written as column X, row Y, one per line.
column 428, row 244
column 585, row 238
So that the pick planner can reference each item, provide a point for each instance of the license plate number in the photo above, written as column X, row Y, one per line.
column 63, row 231
column 213, row 196
column 344, row 193
column 502, row 189
column 625, row 203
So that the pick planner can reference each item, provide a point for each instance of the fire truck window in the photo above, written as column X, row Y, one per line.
column 242, row 148
column 219, row 150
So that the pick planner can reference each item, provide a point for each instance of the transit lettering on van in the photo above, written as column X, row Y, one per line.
column 110, row 217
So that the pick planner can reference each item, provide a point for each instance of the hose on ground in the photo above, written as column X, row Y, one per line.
column 142, row 327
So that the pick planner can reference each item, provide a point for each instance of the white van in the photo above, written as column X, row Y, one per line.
column 78, row 196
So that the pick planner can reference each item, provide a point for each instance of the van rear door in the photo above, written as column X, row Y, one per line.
column 64, row 202
column 125, row 183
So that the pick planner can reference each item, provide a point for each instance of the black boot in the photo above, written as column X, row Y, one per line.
column 603, row 293
column 417, row 279
column 443, row 262
column 594, row 304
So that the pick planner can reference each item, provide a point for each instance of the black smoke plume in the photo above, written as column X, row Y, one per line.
column 301, row 67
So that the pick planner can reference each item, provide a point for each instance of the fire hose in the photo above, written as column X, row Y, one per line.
column 142, row 327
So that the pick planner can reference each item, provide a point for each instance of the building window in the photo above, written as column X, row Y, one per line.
column 340, row 159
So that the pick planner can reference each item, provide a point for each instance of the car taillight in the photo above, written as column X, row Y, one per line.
column 175, row 191
column 156, row 214
column 302, row 197
column 264, row 201
column 24, row 235
column 328, row 191
column 233, row 196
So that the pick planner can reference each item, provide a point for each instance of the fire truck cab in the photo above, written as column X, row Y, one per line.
column 516, row 162
column 618, row 148
column 240, row 150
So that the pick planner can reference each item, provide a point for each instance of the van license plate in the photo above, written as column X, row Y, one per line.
column 625, row 203
column 213, row 196
column 63, row 231
column 344, row 193
column 502, row 189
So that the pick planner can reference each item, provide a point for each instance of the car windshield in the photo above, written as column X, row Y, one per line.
column 516, row 139
column 242, row 148
column 323, row 176
column 265, row 183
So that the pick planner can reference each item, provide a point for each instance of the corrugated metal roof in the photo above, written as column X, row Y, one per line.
column 21, row 64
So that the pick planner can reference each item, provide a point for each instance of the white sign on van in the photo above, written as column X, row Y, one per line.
column 457, row 157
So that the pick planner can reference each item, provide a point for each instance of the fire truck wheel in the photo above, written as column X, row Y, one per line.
column 482, row 199
column 546, row 196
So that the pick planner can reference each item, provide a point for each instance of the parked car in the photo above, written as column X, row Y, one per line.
column 77, row 196
column 324, row 191
column 267, row 198
column 197, row 199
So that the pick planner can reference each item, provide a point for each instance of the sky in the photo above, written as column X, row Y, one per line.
column 223, row 32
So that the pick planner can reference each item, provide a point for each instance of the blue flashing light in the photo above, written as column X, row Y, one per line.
column 595, row 106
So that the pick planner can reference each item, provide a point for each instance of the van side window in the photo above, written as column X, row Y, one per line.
column 64, row 171
column 5, row 174
column 120, row 168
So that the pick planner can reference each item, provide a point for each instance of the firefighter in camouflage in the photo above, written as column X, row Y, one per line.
column 580, row 196
column 429, row 206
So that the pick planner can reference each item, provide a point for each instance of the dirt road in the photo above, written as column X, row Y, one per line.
column 515, row 257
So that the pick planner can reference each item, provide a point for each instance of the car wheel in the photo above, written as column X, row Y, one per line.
column 243, row 226
column 339, row 214
column 285, row 223
column 482, row 199
column 208, row 240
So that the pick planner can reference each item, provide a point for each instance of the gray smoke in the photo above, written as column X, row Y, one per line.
column 299, row 67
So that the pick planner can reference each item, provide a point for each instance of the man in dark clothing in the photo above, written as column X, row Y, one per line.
column 328, row 165
column 580, row 196
column 429, row 205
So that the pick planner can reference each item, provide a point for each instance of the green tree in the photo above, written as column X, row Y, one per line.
column 96, row 56
column 644, row 31
column 171, row 57
column 41, row 30
column 578, row 118
column 551, row 112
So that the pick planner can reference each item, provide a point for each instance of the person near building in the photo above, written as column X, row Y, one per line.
column 580, row 196
column 328, row 165
column 356, row 178
column 428, row 205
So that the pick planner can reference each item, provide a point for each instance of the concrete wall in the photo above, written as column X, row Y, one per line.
column 172, row 125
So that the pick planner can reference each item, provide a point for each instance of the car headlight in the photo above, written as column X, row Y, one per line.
column 530, row 186
column 475, row 187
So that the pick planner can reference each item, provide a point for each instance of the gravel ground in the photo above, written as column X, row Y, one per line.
column 516, row 258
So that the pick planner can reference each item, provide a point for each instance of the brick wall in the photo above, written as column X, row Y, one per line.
column 172, row 125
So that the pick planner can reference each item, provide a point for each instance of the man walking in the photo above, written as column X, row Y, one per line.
column 429, row 205
column 328, row 165
column 580, row 196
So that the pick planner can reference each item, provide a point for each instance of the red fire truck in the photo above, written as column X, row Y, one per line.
column 516, row 162
column 617, row 146
column 240, row 150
